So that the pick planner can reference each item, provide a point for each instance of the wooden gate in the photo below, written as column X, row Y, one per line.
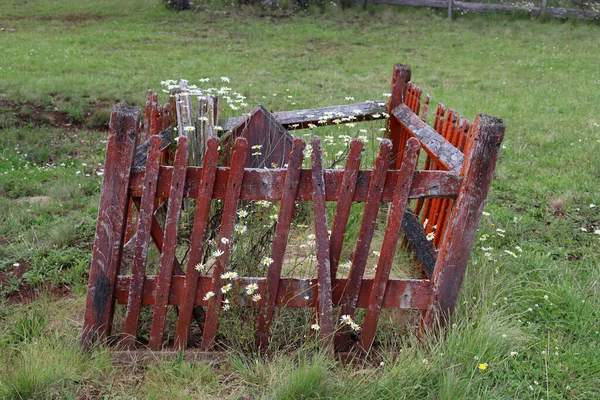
column 448, row 195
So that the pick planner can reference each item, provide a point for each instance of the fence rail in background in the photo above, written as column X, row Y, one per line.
column 453, row 5
column 449, row 194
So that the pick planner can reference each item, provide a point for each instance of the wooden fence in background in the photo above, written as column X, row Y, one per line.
column 463, row 6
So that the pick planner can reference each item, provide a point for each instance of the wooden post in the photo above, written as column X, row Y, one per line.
column 481, row 155
column 112, row 218
column 450, row 10
column 543, row 8
column 400, row 78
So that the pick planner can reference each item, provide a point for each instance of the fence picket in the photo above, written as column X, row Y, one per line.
column 197, row 242
column 286, row 213
column 234, row 186
column 142, row 239
column 390, row 241
column 111, row 222
column 365, row 235
column 345, row 196
column 167, row 257
column 324, row 306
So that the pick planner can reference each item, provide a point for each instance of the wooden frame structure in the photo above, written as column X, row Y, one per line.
column 448, row 195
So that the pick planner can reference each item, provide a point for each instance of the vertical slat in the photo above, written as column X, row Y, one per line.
column 400, row 78
column 154, row 124
column 344, row 204
column 425, row 108
column 130, row 222
column 365, row 235
column 166, row 116
column 234, row 186
column 207, row 181
column 390, row 241
column 147, row 114
column 286, row 213
column 481, row 154
column 434, row 209
column 437, row 125
column 110, row 224
column 142, row 240
column 459, row 142
column 325, row 304
column 167, row 256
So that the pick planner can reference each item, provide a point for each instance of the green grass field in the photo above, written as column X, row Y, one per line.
column 532, row 317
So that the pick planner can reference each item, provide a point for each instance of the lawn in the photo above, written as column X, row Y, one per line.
column 530, row 306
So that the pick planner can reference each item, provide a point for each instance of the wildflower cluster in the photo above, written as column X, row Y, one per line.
column 347, row 320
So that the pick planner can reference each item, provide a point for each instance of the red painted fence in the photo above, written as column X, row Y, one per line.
column 448, row 195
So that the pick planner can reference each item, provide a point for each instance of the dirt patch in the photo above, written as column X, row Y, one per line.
column 27, row 114
column 25, row 293
column 71, row 18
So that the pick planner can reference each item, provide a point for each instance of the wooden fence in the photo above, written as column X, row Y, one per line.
column 448, row 195
column 463, row 6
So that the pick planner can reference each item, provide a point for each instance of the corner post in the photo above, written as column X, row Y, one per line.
column 400, row 77
column 481, row 155
column 110, row 225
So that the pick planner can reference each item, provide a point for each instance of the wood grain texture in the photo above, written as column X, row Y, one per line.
column 365, row 235
column 142, row 240
column 232, row 196
column 110, row 226
column 268, row 184
column 324, row 306
column 167, row 256
column 269, row 144
column 400, row 77
column 300, row 119
column 197, row 242
column 292, row 292
column 344, row 203
column 286, row 213
column 390, row 243
column 435, row 145
column 481, row 155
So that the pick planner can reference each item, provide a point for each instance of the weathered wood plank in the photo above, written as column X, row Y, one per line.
column 167, row 256
column 141, row 152
column 400, row 78
column 481, row 155
column 325, row 306
column 111, row 221
column 421, row 247
column 390, row 243
column 292, row 292
column 268, row 184
column 433, row 143
column 365, row 235
column 344, row 204
column 142, row 240
column 197, row 242
column 269, row 144
column 301, row 119
column 286, row 213
column 234, row 186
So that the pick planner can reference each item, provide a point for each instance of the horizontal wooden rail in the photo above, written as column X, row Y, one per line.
column 300, row 119
column 267, row 184
column 556, row 12
column 293, row 292
column 434, row 144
